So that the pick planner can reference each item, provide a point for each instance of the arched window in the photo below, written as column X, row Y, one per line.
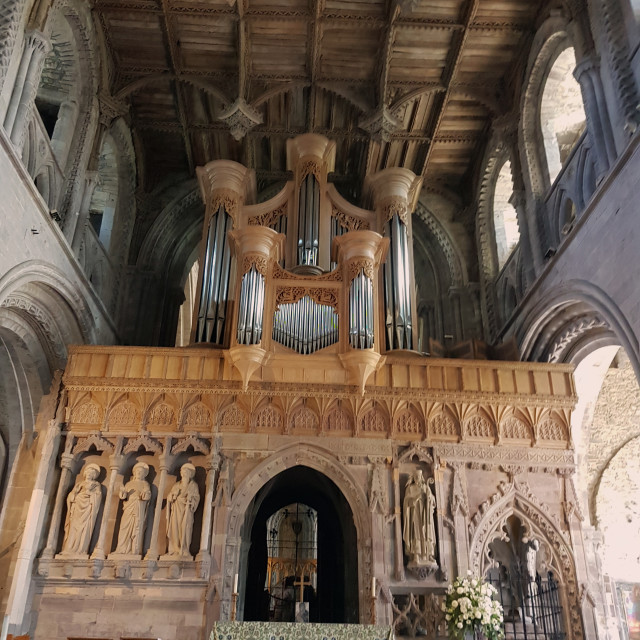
column 562, row 118
column 505, row 220
column 105, row 196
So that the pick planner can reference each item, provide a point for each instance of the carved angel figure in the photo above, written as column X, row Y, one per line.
column 418, row 531
column 182, row 501
column 136, row 495
column 83, row 504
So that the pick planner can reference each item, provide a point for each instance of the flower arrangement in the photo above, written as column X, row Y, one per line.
column 470, row 607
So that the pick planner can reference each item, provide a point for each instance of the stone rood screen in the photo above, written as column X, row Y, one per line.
column 340, row 280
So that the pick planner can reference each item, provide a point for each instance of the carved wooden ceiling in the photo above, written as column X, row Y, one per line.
column 411, row 83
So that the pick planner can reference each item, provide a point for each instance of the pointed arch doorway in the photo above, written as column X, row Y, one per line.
column 334, row 598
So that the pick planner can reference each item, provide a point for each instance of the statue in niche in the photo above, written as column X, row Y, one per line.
column 182, row 501
column 419, row 532
column 83, row 504
column 136, row 495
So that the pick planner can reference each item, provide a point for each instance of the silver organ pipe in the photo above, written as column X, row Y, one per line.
column 215, row 280
column 308, row 221
column 361, row 312
column 305, row 326
column 397, row 287
column 251, row 308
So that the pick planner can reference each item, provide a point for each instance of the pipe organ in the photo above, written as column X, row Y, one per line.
column 306, row 271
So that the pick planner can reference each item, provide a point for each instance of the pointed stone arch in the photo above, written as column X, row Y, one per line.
column 517, row 499
column 317, row 459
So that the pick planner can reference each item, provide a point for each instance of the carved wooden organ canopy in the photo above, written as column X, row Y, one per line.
column 306, row 270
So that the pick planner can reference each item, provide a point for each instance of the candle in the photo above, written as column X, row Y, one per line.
column 373, row 587
column 235, row 584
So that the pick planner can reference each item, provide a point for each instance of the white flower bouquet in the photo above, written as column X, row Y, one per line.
column 470, row 608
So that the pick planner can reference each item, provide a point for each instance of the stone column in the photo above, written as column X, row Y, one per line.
column 153, row 553
column 587, row 73
column 11, row 12
column 115, row 462
column 441, row 511
column 36, row 47
column 397, row 512
column 204, row 555
column 456, row 312
column 66, row 476
column 75, row 225
column 378, row 517
column 16, row 618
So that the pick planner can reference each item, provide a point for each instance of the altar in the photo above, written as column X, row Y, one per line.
column 298, row 631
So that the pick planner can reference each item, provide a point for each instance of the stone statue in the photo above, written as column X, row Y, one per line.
column 136, row 495
column 83, row 504
column 419, row 532
column 182, row 501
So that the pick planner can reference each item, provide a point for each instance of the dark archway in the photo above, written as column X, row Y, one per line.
column 337, row 595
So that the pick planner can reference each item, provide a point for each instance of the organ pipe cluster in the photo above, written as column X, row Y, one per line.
column 361, row 312
column 308, row 221
column 397, row 287
column 214, row 293
column 251, row 307
column 305, row 326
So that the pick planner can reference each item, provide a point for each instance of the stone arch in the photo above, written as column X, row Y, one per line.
column 168, row 250
column 318, row 459
column 71, row 139
column 550, row 40
column 517, row 499
column 574, row 320
column 72, row 310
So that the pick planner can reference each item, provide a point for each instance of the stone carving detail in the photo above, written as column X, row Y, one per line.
column 268, row 419
column 443, row 425
column 304, row 419
column 572, row 333
column 356, row 266
column 135, row 495
column 198, row 445
column 418, row 615
column 261, row 263
column 349, row 222
column 10, row 13
column 378, row 493
column 94, row 440
column 145, row 442
column 182, row 501
column 408, row 423
column 310, row 166
column 233, row 418
column 514, row 429
column 395, row 206
column 478, row 427
column 381, row 124
column 87, row 413
column 83, row 504
column 197, row 415
column 373, row 422
column 338, row 420
column 550, row 429
column 240, row 117
column 161, row 414
column 124, row 414
column 418, row 530
column 291, row 295
column 269, row 219
column 459, row 497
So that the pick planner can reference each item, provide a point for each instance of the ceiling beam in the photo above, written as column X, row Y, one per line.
column 451, row 70
column 313, row 63
column 172, row 46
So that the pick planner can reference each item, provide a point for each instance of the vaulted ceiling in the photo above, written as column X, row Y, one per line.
column 411, row 83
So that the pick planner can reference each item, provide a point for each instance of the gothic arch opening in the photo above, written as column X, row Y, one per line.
column 336, row 597
column 562, row 118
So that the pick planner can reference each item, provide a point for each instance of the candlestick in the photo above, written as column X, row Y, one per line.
column 235, row 584
column 373, row 587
